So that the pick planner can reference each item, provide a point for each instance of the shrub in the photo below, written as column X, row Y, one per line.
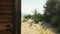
column 55, row 21
column 27, row 16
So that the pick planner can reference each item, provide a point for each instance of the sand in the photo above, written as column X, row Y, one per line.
column 34, row 29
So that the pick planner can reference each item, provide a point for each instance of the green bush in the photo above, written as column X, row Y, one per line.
column 27, row 16
column 55, row 21
column 58, row 29
column 37, row 18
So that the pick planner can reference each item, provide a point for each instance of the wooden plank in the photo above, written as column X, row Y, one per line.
column 5, row 12
column 5, row 3
column 5, row 18
column 5, row 32
column 5, row 21
column 5, row 26
column 5, row 8
column 5, row 0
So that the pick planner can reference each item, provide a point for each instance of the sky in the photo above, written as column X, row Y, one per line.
column 28, row 6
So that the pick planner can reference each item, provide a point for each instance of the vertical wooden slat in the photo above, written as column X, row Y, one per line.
column 19, row 17
column 14, row 18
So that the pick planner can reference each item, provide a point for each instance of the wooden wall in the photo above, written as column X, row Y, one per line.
column 6, row 8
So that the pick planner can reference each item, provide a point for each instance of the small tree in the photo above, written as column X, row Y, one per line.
column 27, row 17
column 37, row 17
column 50, row 10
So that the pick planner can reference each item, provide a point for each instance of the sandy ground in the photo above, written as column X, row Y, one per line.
column 34, row 29
column 26, row 29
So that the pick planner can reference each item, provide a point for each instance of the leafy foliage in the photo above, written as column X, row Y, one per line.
column 52, row 13
column 37, row 17
column 27, row 16
column 55, row 20
column 50, row 10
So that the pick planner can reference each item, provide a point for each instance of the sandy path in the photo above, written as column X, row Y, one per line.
column 26, row 29
column 34, row 29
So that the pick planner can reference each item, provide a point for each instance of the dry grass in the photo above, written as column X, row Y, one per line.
column 35, row 29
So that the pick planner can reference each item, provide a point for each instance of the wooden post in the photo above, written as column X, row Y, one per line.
column 16, row 17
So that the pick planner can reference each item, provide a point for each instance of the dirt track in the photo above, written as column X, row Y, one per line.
column 26, row 29
column 34, row 29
